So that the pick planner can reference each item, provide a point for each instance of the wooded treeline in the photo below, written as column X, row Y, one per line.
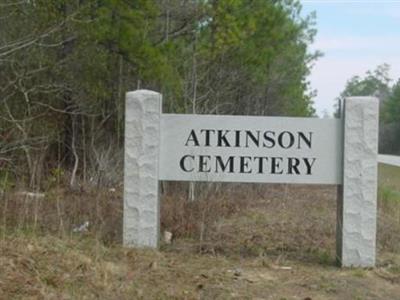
column 378, row 83
column 65, row 67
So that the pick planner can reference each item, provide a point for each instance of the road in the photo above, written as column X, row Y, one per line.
column 389, row 159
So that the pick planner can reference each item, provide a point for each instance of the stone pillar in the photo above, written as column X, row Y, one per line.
column 141, row 186
column 357, row 201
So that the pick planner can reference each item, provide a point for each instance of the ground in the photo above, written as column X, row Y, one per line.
column 280, row 245
column 80, row 268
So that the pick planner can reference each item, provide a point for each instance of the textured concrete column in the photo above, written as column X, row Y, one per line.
column 357, row 203
column 141, row 199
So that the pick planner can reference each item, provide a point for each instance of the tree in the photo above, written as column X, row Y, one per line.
column 375, row 83
column 251, row 58
column 392, row 105
column 65, row 67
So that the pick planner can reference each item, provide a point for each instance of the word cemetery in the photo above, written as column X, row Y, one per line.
column 220, row 148
column 247, row 164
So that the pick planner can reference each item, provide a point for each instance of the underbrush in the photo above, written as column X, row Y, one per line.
column 272, row 220
column 244, row 220
column 64, row 212
column 233, row 240
column 81, row 267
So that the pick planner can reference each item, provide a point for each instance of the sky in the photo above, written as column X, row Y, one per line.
column 354, row 36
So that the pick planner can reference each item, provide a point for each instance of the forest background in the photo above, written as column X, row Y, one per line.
column 65, row 67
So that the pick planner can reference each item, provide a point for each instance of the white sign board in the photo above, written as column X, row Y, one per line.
column 250, row 149
column 254, row 149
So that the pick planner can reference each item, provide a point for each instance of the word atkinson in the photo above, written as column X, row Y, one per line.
column 248, row 164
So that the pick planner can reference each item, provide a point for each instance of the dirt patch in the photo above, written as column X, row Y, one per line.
column 82, row 268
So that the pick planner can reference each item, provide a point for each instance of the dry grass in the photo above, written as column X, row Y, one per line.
column 245, row 220
column 389, row 209
column 234, row 241
column 269, row 220
column 61, row 210
column 47, row 267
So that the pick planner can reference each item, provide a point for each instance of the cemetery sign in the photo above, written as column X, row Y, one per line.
column 340, row 152
column 250, row 149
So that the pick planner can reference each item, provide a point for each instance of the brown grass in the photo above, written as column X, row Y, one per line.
column 47, row 267
column 61, row 210
column 231, row 242
column 278, row 220
column 389, row 209
column 246, row 220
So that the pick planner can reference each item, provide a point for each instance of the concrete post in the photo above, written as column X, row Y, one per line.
column 141, row 185
column 357, row 201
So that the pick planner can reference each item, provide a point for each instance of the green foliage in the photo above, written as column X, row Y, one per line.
column 255, row 58
column 388, row 195
column 375, row 83
column 6, row 181
column 66, row 67
column 392, row 106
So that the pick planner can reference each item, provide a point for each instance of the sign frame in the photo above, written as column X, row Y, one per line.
column 357, row 185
